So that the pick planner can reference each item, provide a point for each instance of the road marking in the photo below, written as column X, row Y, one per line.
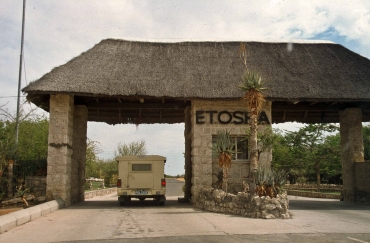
column 357, row 240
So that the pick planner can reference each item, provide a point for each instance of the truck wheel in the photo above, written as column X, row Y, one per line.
column 124, row 200
column 161, row 200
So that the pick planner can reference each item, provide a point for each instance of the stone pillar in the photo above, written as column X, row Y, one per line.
column 352, row 149
column 363, row 182
column 60, row 148
column 79, row 154
column 188, row 167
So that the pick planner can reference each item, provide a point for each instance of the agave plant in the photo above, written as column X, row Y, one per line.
column 279, row 180
column 264, row 180
column 223, row 150
column 220, row 177
column 22, row 194
column 269, row 182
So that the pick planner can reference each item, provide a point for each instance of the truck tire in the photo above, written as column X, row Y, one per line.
column 124, row 200
column 161, row 200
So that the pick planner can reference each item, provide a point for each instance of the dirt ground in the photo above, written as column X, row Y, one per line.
column 5, row 209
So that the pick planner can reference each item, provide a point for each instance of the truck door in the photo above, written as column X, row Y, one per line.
column 141, row 175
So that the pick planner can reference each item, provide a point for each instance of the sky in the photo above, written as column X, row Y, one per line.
column 57, row 31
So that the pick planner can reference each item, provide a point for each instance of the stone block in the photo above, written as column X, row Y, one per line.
column 22, row 216
column 53, row 205
column 34, row 212
column 44, row 208
column 206, row 169
column 7, row 222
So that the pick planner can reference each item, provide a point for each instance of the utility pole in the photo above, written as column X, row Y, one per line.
column 19, row 80
column 11, row 163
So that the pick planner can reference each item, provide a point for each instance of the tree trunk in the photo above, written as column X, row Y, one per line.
column 10, row 179
column 225, row 177
column 318, row 179
column 253, row 145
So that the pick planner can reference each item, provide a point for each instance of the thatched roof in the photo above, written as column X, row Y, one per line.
column 309, row 72
column 112, row 79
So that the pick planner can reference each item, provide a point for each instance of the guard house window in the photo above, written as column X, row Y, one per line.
column 240, row 147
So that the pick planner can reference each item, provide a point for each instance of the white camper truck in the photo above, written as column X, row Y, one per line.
column 141, row 177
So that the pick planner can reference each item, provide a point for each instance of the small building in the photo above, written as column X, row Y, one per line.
column 121, row 81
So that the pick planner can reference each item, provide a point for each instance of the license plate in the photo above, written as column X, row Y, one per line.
column 141, row 192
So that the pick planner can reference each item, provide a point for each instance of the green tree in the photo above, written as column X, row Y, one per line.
column 98, row 168
column 32, row 139
column 133, row 148
column 307, row 148
column 329, row 154
column 92, row 150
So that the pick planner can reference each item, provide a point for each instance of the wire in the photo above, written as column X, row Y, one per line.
column 24, row 67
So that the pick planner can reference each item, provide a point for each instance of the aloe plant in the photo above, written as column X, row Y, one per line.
column 253, row 88
column 223, row 150
column 279, row 179
column 22, row 194
column 220, row 177
column 269, row 182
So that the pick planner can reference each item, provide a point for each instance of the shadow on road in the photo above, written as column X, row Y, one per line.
column 300, row 203
column 112, row 202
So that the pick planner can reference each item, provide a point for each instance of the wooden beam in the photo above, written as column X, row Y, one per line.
column 115, row 120
column 301, row 107
column 137, row 105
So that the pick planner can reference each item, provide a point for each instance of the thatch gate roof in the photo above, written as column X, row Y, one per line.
column 323, row 75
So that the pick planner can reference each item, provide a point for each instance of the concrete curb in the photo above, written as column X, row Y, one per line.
column 11, row 220
column 100, row 192
column 312, row 194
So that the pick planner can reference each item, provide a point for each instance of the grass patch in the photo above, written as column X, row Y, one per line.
column 95, row 185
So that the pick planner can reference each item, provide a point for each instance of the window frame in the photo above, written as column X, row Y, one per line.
column 140, row 167
column 234, row 139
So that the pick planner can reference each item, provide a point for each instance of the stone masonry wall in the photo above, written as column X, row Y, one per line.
column 363, row 182
column 203, row 167
column 352, row 149
column 243, row 204
column 60, row 148
column 37, row 185
column 79, row 154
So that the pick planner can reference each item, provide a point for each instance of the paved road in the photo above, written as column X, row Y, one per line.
column 103, row 220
